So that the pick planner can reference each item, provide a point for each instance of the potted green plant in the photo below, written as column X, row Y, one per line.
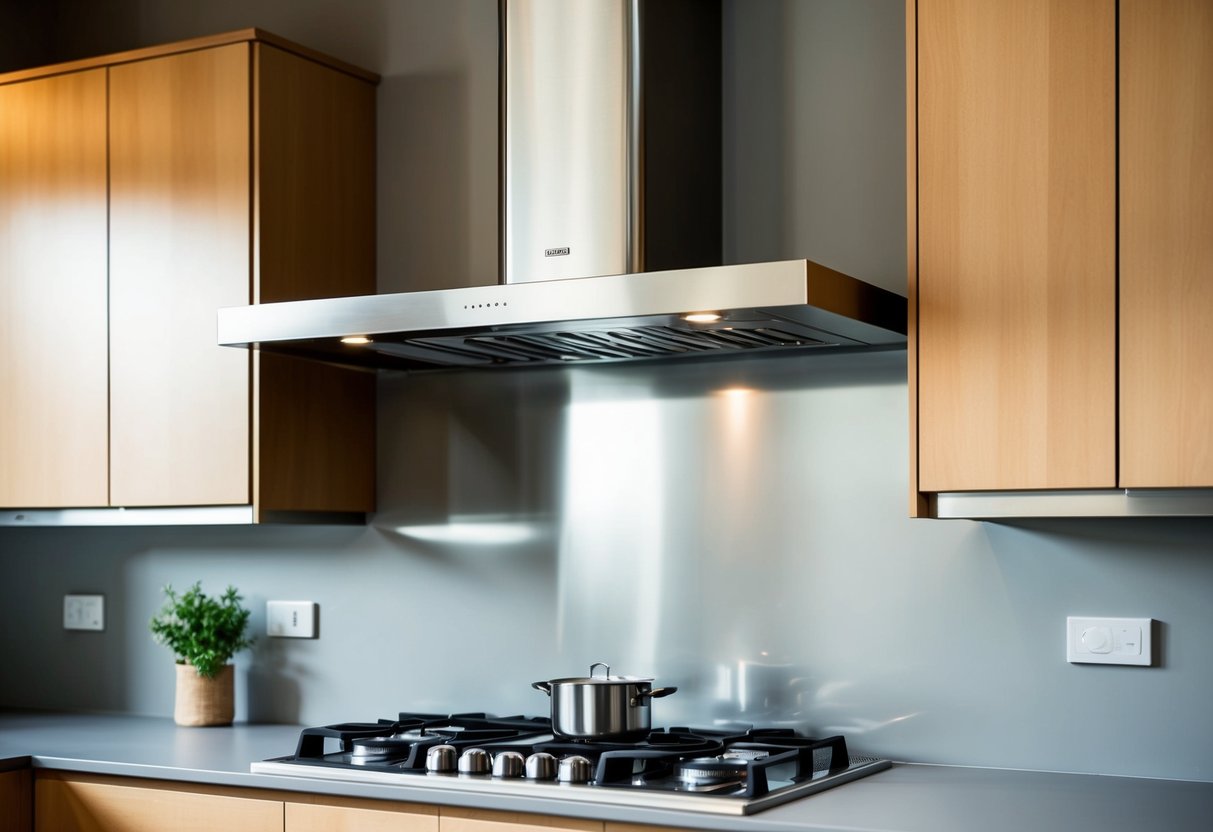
column 203, row 633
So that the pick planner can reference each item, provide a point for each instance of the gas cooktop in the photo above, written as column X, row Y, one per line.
column 736, row 770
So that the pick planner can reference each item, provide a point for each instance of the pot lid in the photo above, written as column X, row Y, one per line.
column 608, row 679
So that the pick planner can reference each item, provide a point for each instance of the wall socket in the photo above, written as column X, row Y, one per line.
column 292, row 619
column 1109, row 641
column 84, row 612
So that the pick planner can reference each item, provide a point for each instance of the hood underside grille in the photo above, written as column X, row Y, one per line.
column 614, row 344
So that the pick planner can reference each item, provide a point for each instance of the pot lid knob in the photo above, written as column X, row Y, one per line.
column 574, row 769
column 541, row 766
column 440, row 758
column 508, row 764
column 474, row 761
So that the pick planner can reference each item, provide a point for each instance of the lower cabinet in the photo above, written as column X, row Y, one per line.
column 335, row 814
column 476, row 820
column 70, row 802
column 16, row 800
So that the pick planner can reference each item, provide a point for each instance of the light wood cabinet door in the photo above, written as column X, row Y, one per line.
column 474, row 820
column 1166, row 243
column 180, row 248
column 1016, row 220
column 16, row 801
column 53, row 408
column 66, row 805
column 350, row 815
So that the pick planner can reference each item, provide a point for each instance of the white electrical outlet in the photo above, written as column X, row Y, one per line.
column 292, row 619
column 1109, row 640
column 84, row 612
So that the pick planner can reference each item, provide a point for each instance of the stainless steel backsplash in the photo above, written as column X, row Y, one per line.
column 738, row 530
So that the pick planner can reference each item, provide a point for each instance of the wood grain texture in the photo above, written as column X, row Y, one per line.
column 1166, row 243
column 315, row 442
column 179, row 250
column 314, row 216
column 53, row 409
column 72, row 806
column 16, row 801
column 1016, row 244
column 348, row 815
column 475, row 820
column 918, row 503
column 177, row 786
column 315, row 174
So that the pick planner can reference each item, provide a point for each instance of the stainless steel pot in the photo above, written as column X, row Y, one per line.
column 602, row 707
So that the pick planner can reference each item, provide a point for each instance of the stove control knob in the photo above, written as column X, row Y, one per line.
column 575, row 769
column 474, row 761
column 507, row 764
column 440, row 758
column 541, row 766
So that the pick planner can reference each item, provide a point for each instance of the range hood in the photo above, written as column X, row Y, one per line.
column 611, row 172
column 763, row 306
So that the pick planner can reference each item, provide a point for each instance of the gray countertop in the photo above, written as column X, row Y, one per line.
column 906, row 798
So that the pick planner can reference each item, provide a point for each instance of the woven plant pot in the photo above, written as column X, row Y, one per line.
column 203, row 701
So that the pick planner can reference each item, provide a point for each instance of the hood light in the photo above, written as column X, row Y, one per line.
column 356, row 340
column 701, row 317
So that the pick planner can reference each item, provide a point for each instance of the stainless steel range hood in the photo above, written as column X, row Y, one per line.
column 764, row 306
column 610, row 221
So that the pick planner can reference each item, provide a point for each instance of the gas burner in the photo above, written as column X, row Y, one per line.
column 703, row 772
column 423, row 734
column 376, row 749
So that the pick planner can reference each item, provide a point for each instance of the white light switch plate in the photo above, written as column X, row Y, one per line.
column 291, row 619
column 84, row 612
column 1109, row 640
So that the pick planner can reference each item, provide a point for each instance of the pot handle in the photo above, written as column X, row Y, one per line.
column 655, row 694
column 546, row 687
column 600, row 664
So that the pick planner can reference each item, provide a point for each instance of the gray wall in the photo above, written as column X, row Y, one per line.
column 736, row 529
column 25, row 35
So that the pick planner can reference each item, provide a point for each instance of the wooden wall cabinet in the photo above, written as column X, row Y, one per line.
column 241, row 168
column 1036, row 362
